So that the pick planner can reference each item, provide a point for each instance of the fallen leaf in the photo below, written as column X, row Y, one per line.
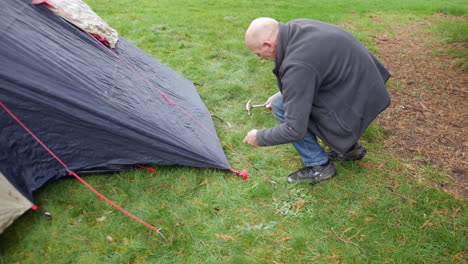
column 364, row 164
column 225, row 237
column 299, row 204
column 332, row 257
column 286, row 248
column 204, row 182
column 426, row 224
column 284, row 239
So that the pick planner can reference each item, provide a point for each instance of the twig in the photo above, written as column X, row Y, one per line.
column 346, row 241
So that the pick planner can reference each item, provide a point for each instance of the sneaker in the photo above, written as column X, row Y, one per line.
column 313, row 174
column 356, row 153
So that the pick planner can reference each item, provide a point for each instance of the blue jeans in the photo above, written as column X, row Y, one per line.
column 308, row 148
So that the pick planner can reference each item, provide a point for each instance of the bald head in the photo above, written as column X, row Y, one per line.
column 262, row 36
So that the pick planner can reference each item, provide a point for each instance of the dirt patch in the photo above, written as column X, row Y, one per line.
column 427, row 120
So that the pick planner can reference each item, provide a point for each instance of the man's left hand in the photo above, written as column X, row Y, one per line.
column 251, row 138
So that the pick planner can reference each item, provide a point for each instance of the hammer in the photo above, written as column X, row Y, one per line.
column 249, row 107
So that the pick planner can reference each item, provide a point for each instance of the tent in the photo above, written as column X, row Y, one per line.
column 97, row 108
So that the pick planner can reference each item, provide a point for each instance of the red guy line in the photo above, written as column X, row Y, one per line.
column 74, row 174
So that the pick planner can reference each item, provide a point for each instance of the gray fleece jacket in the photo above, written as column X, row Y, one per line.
column 331, row 85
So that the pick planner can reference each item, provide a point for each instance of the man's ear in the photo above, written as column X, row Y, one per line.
column 267, row 44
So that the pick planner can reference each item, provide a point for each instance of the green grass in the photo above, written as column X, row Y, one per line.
column 455, row 33
column 376, row 211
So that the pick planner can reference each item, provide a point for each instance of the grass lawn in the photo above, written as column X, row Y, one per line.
column 372, row 212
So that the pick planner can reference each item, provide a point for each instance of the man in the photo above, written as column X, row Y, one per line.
column 330, row 86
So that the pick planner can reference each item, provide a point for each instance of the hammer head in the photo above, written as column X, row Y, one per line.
column 248, row 106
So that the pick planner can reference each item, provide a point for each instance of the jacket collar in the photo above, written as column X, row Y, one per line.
column 283, row 33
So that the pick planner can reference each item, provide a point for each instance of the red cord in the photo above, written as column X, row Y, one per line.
column 74, row 174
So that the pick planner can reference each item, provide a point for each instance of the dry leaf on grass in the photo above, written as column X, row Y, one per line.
column 225, row 237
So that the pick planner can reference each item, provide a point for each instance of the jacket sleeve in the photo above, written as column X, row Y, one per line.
column 299, row 86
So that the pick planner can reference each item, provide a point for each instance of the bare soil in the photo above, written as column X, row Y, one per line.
column 427, row 120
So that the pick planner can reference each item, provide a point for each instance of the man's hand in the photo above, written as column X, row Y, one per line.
column 270, row 100
column 251, row 138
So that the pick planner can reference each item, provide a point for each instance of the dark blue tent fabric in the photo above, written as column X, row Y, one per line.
column 87, row 106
